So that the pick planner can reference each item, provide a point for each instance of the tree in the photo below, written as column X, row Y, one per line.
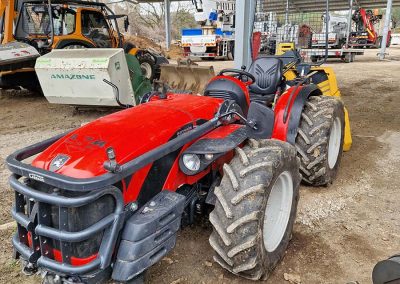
column 149, row 19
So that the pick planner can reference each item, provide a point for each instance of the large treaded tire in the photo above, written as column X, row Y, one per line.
column 149, row 68
column 312, row 141
column 238, row 216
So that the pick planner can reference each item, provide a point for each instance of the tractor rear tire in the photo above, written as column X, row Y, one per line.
column 148, row 67
column 261, row 181
column 319, row 140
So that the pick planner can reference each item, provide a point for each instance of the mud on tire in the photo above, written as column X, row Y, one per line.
column 319, row 141
column 239, row 225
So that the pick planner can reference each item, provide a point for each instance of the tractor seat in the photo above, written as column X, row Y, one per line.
column 268, row 73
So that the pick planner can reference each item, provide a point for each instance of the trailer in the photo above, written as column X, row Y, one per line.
column 216, row 36
column 337, row 32
column 214, row 43
column 396, row 39
column 345, row 54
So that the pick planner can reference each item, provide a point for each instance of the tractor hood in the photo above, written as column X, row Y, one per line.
column 131, row 133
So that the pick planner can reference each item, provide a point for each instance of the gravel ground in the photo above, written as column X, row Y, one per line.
column 341, row 231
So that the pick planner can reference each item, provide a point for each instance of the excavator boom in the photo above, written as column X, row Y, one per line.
column 7, row 16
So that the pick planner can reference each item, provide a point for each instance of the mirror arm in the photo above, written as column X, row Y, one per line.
column 249, row 123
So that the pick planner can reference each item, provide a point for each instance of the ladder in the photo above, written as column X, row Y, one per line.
column 225, row 48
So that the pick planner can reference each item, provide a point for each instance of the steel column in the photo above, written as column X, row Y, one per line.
column 245, row 13
column 167, row 18
column 388, row 17
column 349, row 23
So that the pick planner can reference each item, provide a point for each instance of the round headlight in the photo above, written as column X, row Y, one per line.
column 191, row 162
column 209, row 157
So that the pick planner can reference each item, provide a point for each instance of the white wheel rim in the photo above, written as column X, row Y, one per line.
column 277, row 212
column 146, row 69
column 334, row 143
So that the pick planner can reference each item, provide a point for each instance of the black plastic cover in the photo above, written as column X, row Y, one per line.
column 149, row 235
column 262, row 117
column 387, row 271
column 226, row 89
column 220, row 145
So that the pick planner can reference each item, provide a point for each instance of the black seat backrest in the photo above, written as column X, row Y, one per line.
column 268, row 74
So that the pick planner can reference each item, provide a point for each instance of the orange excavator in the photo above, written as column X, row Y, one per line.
column 31, row 28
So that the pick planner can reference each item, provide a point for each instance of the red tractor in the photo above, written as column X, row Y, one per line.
column 107, row 199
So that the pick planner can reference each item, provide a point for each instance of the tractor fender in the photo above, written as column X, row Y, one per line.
column 221, row 140
column 288, row 111
column 218, row 142
column 148, row 235
column 160, row 59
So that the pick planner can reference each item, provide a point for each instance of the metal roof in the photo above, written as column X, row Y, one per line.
column 310, row 5
column 320, row 5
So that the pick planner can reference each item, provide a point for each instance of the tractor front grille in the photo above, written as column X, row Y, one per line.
column 64, row 231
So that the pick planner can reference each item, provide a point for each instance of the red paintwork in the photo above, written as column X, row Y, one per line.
column 131, row 133
column 222, row 132
column 74, row 260
column 256, row 45
column 372, row 35
column 281, row 128
column 138, row 130
column 131, row 139
column 58, row 256
column 370, row 28
column 389, row 38
column 242, row 85
column 176, row 178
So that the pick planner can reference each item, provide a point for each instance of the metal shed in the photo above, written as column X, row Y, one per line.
column 246, row 11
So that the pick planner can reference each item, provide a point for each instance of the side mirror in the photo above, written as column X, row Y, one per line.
column 126, row 23
column 260, row 120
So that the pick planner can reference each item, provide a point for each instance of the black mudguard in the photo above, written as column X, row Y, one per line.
column 218, row 145
column 64, row 43
column 387, row 271
column 160, row 59
column 297, row 109
column 148, row 235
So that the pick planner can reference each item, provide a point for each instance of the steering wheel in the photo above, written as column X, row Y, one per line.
column 244, row 76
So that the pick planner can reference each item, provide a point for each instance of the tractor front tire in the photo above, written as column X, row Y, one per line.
column 319, row 140
column 255, row 208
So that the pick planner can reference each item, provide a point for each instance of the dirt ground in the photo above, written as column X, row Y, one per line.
column 174, row 52
column 341, row 231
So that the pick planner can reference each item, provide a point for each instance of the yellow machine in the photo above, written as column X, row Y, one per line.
column 29, row 32
column 325, row 79
column 283, row 47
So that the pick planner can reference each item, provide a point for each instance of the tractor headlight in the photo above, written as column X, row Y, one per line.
column 191, row 162
column 209, row 157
